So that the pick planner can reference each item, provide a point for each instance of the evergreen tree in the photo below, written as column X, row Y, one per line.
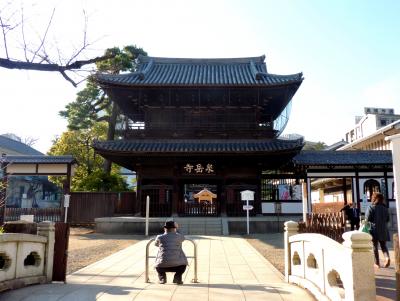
column 92, row 105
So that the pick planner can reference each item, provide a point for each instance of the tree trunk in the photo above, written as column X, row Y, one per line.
column 110, row 134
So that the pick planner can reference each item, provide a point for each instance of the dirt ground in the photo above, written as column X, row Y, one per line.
column 86, row 247
column 271, row 247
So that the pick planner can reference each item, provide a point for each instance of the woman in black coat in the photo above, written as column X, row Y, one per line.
column 378, row 215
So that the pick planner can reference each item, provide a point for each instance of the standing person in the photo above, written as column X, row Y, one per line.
column 378, row 215
column 170, row 256
column 355, row 218
column 348, row 211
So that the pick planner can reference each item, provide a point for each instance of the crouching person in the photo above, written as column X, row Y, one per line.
column 170, row 256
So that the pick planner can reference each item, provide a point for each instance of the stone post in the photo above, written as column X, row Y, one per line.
column 47, row 229
column 291, row 228
column 360, row 284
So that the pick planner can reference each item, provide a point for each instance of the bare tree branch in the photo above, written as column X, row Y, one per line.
column 30, row 141
column 85, row 44
column 25, row 47
column 3, row 29
column 12, row 64
column 44, row 35
column 37, row 57
column 68, row 78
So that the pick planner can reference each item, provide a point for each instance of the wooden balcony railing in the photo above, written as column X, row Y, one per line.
column 198, row 209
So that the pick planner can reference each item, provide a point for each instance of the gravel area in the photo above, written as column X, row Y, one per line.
column 271, row 247
column 86, row 247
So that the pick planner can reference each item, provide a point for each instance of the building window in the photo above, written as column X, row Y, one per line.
column 383, row 122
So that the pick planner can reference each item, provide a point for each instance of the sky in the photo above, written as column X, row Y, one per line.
column 348, row 51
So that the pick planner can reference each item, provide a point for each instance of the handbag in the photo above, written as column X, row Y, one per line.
column 365, row 227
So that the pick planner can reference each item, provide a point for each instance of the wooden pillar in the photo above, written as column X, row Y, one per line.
column 3, row 186
column 175, row 192
column 309, row 204
column 386, row 188
column 304, row 199
column 223, row 198
column 67, row 183
column 257, row 198
column 354, row 189
column 344, row 190
column 138, row 205
column 357, row 190
column 67, row 189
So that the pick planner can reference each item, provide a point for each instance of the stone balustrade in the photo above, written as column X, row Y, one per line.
column 25, row 258
column 328, row 269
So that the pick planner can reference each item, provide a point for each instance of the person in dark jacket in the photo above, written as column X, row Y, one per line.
column 355, row 220
column 170, row 256
column 352, row 215
column 378, row 215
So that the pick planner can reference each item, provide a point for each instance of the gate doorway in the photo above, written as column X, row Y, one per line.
column 199, row 199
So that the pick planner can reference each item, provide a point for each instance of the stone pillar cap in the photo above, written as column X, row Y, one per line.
column 291, row 225
column 357, row 240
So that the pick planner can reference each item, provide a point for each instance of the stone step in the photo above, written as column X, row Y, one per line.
column 200, row 226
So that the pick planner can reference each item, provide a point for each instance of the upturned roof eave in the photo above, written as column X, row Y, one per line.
column 110, row 84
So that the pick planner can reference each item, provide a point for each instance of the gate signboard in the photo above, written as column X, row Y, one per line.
column 248, row 207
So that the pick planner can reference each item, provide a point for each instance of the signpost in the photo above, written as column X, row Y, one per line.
column 66, row 205
column 247, row 195
column 147, row 215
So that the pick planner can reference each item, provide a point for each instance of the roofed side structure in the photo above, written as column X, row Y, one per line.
column 12, row 147
column 342, row 158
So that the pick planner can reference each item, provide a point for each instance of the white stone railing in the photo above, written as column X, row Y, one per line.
column 328, row 269
column 25, row 258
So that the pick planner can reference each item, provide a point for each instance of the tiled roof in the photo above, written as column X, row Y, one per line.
column 343, row 158
column 251, row 71
column 198, row 146
column 39, row 159
column 17, row 147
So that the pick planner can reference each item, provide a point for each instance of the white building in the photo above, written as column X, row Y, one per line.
column 371, row 129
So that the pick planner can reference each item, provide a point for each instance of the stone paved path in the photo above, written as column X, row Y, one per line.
column 229, row 268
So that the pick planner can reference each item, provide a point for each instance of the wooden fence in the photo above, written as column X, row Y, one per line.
column 327, row 207
column 86, row 206
column 39, row 214
column 331, row 225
